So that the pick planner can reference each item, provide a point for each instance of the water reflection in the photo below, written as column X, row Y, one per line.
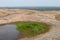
column 8, row 32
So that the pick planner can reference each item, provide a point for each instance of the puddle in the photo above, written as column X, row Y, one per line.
column 8, row 32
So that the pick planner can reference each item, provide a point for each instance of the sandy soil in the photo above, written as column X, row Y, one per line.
column 51, row 17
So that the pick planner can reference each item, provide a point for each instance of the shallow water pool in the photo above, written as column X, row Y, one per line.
column 8, row 32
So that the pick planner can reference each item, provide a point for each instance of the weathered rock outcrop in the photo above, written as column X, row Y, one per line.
column 14, row 15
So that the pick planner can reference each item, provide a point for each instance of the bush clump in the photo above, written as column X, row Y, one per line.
column 32, row 28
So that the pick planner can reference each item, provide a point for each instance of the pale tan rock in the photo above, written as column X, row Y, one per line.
column 14, row 15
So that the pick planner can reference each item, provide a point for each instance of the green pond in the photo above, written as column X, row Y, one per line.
column 9, row 32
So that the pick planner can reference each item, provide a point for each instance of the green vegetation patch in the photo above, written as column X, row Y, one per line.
column 32, row 28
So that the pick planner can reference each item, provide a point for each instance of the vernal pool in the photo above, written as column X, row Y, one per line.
column 8, row 32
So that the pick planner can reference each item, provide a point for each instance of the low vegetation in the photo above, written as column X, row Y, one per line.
column 32, row 28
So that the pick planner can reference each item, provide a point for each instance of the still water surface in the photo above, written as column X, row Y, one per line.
column 8, row 32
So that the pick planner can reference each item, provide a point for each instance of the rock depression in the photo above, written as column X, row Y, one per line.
column 52, row 17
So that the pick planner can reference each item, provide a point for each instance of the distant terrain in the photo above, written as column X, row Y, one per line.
column 33, row 8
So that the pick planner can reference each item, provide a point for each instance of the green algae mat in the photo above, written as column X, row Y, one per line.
column 32, row 28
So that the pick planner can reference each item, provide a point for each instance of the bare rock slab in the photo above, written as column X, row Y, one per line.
column 52, row 17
